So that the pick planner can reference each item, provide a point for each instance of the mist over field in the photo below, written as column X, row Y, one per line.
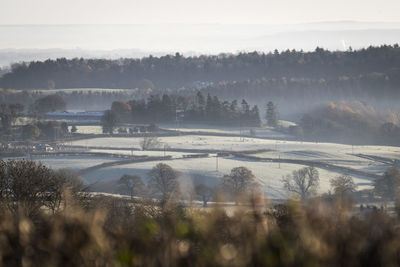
column 199, row 133
column 40, row 42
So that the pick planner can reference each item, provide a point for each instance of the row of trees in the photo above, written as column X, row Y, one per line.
column 79, row 99
column 240, row 184
column 33, row 128
column 305, row 182
column 189, row 109
column 26, row 186
column 163, row 183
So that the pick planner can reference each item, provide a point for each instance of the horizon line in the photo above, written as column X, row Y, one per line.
column 199, row 23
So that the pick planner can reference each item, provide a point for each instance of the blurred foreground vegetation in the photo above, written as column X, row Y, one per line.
column 46, row 221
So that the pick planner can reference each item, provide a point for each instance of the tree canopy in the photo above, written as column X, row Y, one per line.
column 172, row 71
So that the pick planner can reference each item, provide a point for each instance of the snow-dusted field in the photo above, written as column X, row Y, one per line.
column 85, row 129
column 73, row 162
column 258, row 131
column 291, row 149
column 182, row 142
column 142, row 153
column 205, row 170
column 337, row 154
column 371, row 159
column 246, row 131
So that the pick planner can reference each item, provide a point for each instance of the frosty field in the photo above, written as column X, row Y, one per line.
column 245, row 131
column 73, row 162
column 372, row 160
column 204, row 170
column 289, row 149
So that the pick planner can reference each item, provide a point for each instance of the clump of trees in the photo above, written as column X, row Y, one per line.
column 109, row 121
column 9, row 112
column 172, row 108
column 26, row 187
column 48, row 130
column 47, row 104
column 388, row 187
column 52, row 130
column 353, row 123
column 30, row 132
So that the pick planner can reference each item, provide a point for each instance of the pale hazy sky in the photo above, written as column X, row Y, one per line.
column 190, row 11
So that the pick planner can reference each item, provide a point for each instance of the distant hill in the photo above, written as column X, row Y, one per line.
column 374, row 71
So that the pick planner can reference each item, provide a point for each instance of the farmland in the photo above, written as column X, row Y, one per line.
column 102, row 160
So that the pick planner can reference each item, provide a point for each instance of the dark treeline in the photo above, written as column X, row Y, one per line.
column 189, row 109
column 371, row 86
column 178, row 71
column 75, row 100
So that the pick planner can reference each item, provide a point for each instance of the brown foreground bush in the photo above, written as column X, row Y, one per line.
column 116, row 232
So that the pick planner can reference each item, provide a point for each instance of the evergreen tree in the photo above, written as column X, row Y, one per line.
column 153, row 107
column 255, row 116
column 216, row 109
column 109, row 121
column 271, row 114
column 200, row 100
column 209, row 108
column 167, row 108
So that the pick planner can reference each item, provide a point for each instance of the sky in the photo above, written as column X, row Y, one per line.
column 195, row 11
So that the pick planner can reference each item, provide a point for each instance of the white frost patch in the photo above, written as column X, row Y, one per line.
column 73, row 162
column 268, row 174
column 142, row 153
column 259, row 131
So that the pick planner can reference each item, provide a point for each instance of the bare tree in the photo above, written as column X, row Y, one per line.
column 303, row 182
column 163, row 180
column 26, row 186
column 239, row 182
column 205, row 192
column 131, row 183
column 343, row 185
column 149, row 141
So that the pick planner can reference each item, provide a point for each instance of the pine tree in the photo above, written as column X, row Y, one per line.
column 255, row 116
column 209, row 107
column 271, row 115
